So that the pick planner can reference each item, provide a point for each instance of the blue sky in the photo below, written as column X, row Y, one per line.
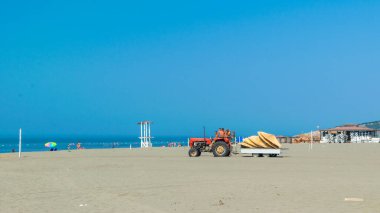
column 98, row 67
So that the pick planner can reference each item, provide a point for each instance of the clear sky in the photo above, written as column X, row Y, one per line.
column 98, row 67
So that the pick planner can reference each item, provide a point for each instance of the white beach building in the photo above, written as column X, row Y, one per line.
column 349, row 133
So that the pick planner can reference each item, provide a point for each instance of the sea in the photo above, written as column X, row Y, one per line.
column 37, row 144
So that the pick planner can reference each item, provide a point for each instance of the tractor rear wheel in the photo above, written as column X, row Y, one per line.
column 194, row 152
column 220, row 149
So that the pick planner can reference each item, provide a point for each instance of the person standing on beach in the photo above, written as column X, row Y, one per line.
column 79, row 145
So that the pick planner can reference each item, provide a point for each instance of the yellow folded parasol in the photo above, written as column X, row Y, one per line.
column 270, row 140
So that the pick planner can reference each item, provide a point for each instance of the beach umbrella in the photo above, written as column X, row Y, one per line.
column 50, row 144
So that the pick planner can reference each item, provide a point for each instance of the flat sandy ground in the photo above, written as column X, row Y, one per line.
column 167, row 180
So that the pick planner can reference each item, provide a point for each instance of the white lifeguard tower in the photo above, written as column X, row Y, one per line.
column 145, row 138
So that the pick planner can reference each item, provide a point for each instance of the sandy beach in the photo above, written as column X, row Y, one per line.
column 167, row 180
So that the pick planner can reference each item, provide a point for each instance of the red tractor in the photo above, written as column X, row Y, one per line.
column 220, row 146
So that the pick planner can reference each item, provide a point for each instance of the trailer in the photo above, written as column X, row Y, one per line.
column 236, row 149
column 261, row 152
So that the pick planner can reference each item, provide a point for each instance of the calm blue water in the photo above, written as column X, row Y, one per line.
column 37, row 143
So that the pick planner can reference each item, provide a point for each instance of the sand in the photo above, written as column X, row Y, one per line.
column 167, row 180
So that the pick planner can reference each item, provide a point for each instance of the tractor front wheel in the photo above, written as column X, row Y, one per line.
column 220, row 149
column 194, row 152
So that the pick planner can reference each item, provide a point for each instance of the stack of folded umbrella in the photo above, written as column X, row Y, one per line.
column 262, row 141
